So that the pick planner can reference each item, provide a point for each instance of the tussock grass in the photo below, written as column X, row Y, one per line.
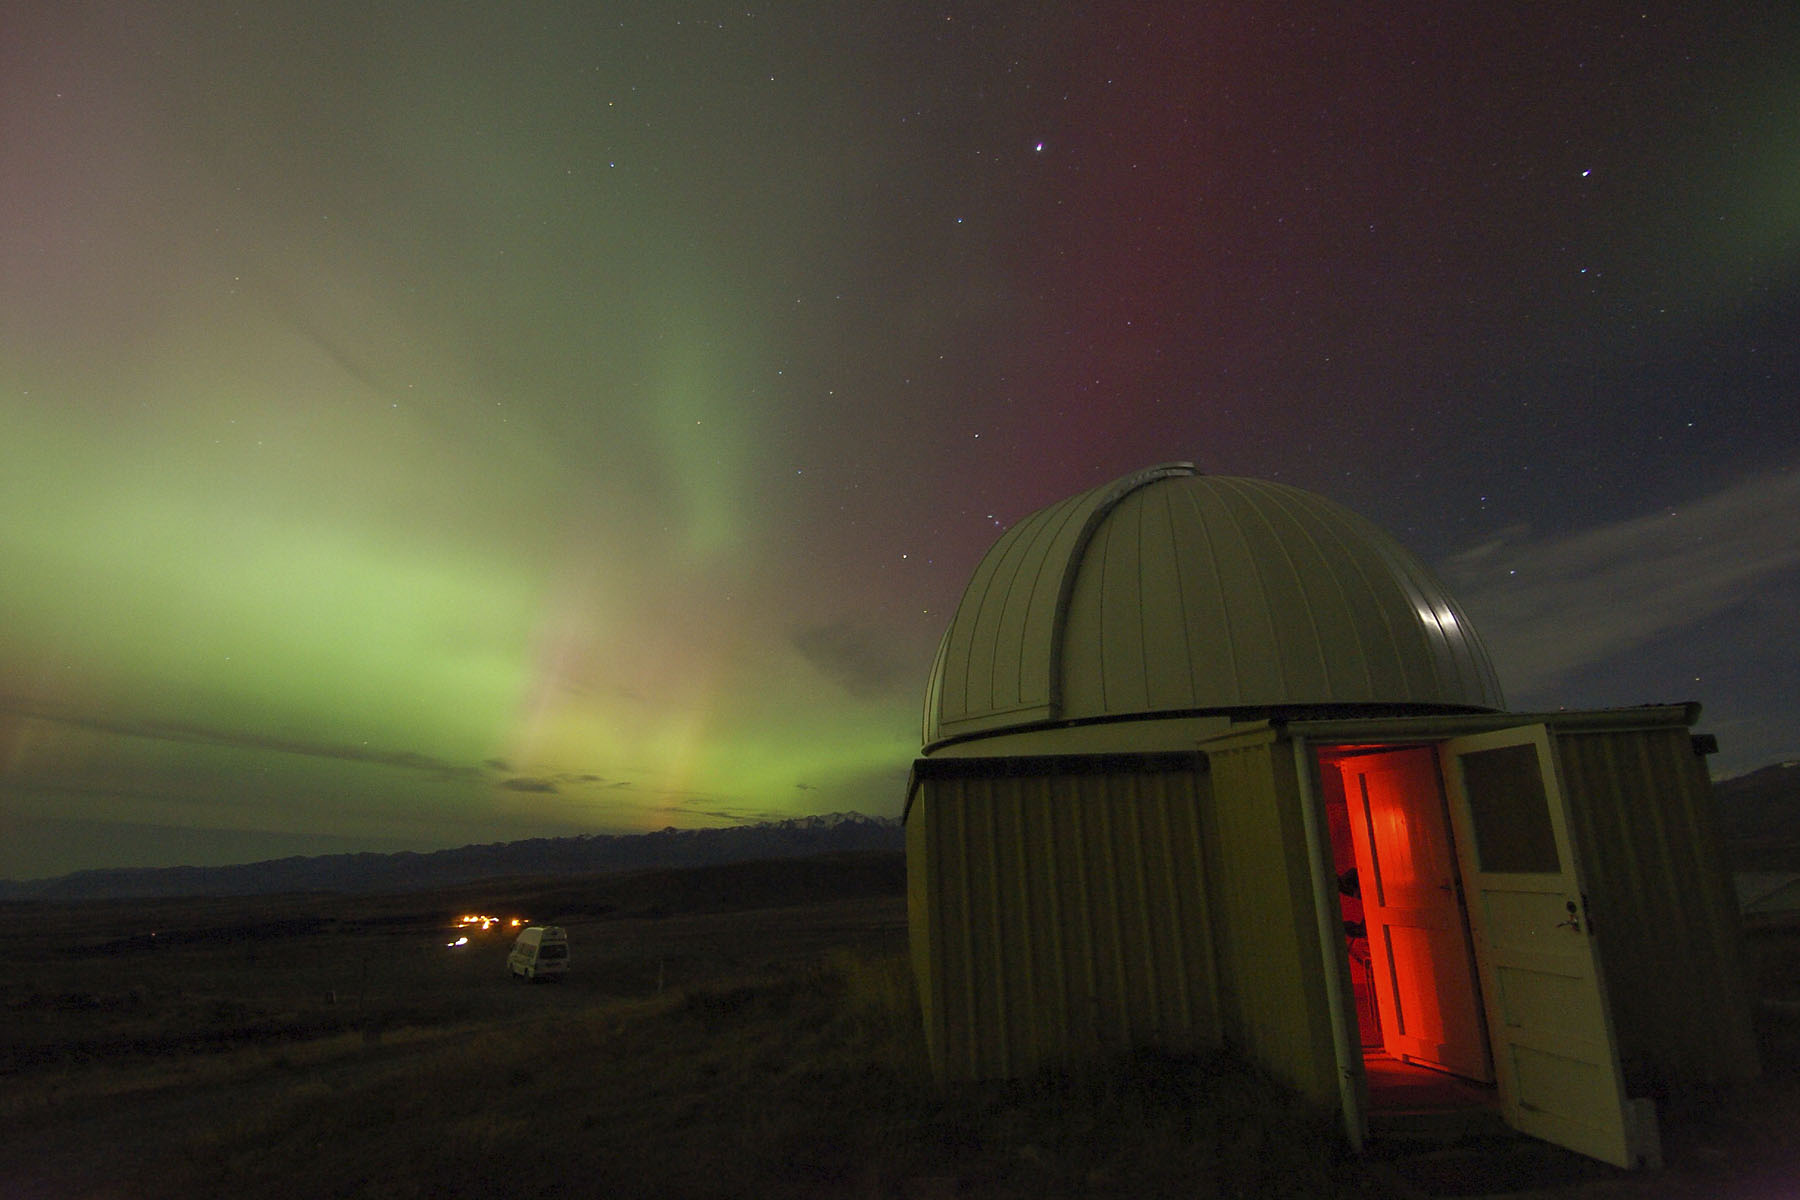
column 337, row 1048
column 771, row 1053
column 808, row 1083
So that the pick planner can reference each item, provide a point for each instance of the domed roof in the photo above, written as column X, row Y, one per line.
column 1169, row 591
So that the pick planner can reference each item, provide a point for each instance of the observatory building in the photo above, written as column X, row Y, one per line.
column 1213, row 761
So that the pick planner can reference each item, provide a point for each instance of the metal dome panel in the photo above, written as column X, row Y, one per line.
column 1171, row 591
column 997, row 665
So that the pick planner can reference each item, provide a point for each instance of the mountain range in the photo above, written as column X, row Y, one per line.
column 1759, row 819
column 410, row 871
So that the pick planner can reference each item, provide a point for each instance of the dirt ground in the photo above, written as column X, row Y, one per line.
column 204, row 1036
column 1743, row 1144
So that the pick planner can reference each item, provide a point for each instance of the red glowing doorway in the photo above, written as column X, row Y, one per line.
column 1406, row 935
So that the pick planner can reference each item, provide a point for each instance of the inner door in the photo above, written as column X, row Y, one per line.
column 1554, row 1053
column 1418, row 938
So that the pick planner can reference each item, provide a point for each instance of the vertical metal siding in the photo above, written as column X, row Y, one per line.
column 1270, row 965
column 923, row 922
column 1664, row 917
column 1056, row 917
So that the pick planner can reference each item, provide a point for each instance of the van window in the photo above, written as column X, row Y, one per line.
column 553, row 950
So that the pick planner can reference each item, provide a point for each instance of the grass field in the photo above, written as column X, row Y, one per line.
column 745, row 1031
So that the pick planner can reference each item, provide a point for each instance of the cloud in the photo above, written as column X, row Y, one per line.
column 526, row 784
column 735, row 816
column 853, row 656
column 711, row 809
column 202, row 735
column 1548, row 607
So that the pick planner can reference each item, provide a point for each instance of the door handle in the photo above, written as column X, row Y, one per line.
column 1572, row 921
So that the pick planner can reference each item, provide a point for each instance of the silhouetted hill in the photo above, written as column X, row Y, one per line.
column 1759, row 816
column 799, row 837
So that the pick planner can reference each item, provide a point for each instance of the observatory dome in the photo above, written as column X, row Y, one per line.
column 1172, row 592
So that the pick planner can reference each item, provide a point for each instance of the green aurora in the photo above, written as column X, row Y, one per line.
column 518, row 420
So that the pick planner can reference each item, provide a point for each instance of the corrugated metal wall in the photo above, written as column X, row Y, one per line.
column 1059, row 916
column 1665, row 918
column 1270, row 964
column 1064, row 907
column 922, row 905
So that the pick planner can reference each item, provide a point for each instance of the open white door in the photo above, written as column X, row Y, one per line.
column 1554, row 1053
column 1418, row 943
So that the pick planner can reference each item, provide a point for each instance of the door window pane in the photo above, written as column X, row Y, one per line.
column 1511, row 814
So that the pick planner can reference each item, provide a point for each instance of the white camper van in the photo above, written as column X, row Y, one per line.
column 541, row 952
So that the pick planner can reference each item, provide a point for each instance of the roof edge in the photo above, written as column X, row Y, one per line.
column 1240, row 713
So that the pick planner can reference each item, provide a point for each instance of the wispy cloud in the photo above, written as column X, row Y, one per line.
column 736, row 816
column 1550, row 606
column 852, row 655
column 527, row 784
column 189, row 733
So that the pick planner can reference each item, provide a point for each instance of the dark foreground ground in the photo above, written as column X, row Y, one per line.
column 744, row 1031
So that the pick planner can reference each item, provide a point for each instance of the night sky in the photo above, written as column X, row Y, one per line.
column 435, row 423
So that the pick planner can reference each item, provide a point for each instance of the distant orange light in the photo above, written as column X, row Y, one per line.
column 485, row 922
